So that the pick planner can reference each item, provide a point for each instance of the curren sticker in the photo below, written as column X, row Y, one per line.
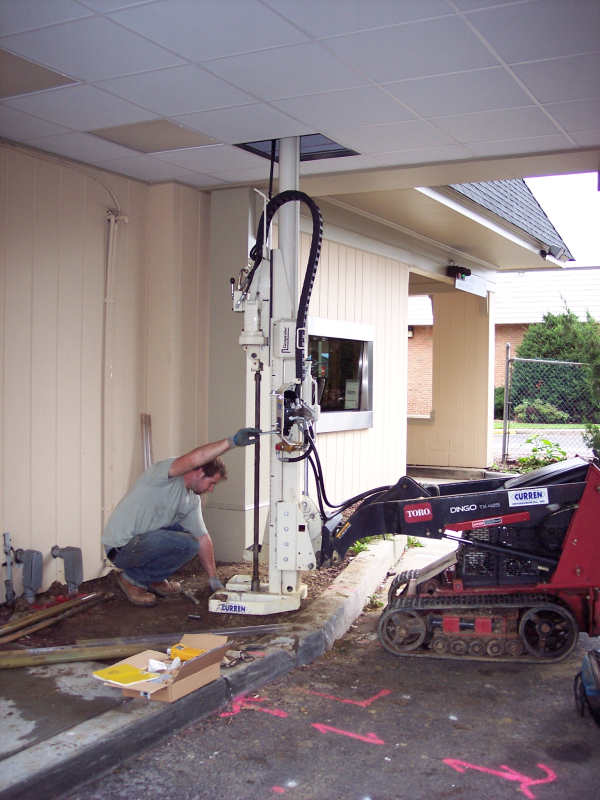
column 232, row 608
column 418, row 513
column 528, row 497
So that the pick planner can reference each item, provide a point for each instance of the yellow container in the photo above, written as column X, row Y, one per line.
column 184, row 652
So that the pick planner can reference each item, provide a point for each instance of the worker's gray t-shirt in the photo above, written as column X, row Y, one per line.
column 156, row 501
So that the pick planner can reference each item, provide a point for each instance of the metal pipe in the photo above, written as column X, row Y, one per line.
column 289, row 214
column 255, row 583
column 110, row 649
column 8, row 583
column 505, row 412
column 38, row 616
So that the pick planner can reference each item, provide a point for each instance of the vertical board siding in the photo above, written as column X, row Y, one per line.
column 54, row 247
column 462, row 395
column 358, row 286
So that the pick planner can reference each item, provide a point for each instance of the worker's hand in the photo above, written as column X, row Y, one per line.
column 215, row 584
column 244, row 437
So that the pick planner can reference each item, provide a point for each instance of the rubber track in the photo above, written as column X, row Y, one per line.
column 471, row 601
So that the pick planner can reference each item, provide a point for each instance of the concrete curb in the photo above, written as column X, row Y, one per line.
column 88, row 750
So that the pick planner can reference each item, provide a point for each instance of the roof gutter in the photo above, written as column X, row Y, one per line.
column 528, row 242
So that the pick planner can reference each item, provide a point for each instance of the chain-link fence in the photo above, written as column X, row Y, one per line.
column 546, row 399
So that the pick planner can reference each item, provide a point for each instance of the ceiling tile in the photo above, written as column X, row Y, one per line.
column 424, row 155
column 287, row 72
column 461, row 92
column 154, row 136
column 20, row 76
column 474, row 5
column 244, row 124
column 202, row 180
column 345, row 163
column 90, row 49
column 345, row 108
column 496, row 125
column 535, row 144
column 80, row 107
column 559, row 79
column 24, row 15
column 207, row 29
column 587, row 138
column 145, row 168
column 20, row 126
column 538, row 29
column 391, row 137
column 239, row 175
column 577, row 116
column 433, row 47
column 347, row 16
column 215, row 158
column 178, row 90
column 81, row 146
column 105, row 6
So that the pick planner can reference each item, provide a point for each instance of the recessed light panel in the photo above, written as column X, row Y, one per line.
column 21, row 76
column 154, row 136
column 313, row 147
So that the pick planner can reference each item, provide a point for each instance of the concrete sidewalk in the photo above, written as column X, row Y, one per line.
column 61, row 726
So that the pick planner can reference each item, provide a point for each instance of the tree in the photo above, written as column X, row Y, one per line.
column 572, row 390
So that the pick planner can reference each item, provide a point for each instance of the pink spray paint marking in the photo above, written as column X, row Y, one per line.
column 278, row 789
column 370, row 738
column 361, row 703
column 242, row 702
column 508, row 774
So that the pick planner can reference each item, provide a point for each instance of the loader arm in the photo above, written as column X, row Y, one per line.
column 412, row 509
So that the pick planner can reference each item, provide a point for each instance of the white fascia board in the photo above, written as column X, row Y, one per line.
column 529, row 243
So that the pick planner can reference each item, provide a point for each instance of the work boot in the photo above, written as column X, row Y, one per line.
column 135, row 594
column 165, row 588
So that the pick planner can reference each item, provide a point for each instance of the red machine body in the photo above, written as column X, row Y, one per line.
column 524, row 580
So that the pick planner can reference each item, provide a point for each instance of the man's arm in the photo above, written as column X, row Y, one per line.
column 207, row 452
column 206, row 555
column 197, row 457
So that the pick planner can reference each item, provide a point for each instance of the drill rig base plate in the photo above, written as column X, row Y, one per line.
column 239, row 599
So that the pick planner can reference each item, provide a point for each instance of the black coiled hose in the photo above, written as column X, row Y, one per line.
column 311, row 269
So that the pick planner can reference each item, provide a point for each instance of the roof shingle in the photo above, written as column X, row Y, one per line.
column 513, row 201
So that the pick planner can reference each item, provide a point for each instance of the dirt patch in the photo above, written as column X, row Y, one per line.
column 117, row 617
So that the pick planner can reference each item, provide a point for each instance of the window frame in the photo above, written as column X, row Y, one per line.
column 351, row 420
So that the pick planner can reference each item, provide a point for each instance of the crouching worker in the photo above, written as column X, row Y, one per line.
column 158, row 526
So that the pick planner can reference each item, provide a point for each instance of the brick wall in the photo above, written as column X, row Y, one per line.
column 420, row 362
column 419, row 370
column 513, row 334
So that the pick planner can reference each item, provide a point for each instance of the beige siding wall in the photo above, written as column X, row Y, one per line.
column 356, row 285
column 53, row 249
column 177, row 318
column 460, row 433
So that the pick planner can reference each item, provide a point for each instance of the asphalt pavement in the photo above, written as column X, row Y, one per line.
column 62, row 727
column 361, row 724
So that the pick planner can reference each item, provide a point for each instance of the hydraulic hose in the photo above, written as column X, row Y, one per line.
column 256, row 254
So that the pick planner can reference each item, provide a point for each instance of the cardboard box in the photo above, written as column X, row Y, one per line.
column 190, row 676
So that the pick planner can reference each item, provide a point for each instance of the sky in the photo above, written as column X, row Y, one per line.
column 572, row 204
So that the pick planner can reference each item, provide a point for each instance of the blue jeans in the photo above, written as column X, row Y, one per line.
column 154, row 556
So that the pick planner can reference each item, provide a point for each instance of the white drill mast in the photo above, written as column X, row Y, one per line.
column 294, row 525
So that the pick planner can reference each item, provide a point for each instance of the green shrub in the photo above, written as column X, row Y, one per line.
column 574, row 390
column 591, row 439
column 538, row 411
column 499, row 402
column 543, row 452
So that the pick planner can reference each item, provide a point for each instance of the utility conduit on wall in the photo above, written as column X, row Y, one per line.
column 114, row 218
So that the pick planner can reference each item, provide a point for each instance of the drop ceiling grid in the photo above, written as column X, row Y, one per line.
column 447, row 97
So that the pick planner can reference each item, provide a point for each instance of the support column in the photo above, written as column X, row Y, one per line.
column 460, row 434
